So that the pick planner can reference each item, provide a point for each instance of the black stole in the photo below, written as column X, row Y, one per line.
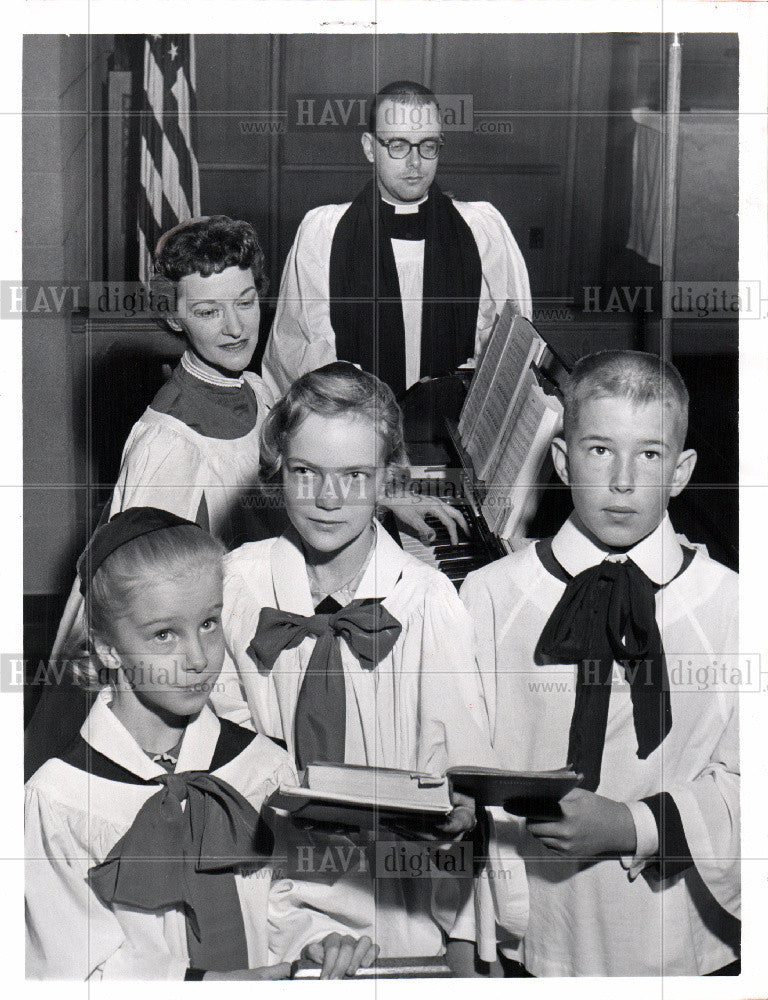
column 366, row 311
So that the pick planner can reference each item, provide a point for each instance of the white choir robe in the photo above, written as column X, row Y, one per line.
column 73, row 818
column 302, row 338
column 611, row 916
column 421, row 708
column 170, row 465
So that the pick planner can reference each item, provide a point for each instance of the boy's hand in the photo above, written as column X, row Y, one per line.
column 591, row 825
column 341, row 956
column 411, row 510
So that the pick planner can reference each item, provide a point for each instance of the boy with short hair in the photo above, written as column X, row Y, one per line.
column 640, row 874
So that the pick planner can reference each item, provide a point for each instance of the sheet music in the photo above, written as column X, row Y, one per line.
column 521, row 346
column 527, row 449
column 524, row 345
column 478, row 390
column 511, row 455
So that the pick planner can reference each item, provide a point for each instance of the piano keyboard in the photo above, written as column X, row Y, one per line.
column 456, row 561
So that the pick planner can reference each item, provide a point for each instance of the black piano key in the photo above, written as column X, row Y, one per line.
column 470, row 559
column 434, row 523
column 457, row 576
column 450, row 551
column 458, row 566
column 457, row 556
column 441, row 538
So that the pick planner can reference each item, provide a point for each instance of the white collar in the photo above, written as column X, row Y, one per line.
column 410, row 209
column 659, row 555
column 385, row 567
column 106, row 734
column 291, row 584
column 194, row 366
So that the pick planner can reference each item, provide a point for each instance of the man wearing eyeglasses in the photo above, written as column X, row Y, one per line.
column 403, row 281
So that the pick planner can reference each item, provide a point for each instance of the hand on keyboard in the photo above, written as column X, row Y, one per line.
column 413, row 510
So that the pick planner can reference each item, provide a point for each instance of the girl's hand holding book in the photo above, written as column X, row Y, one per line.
column 462, row 819
column 339, row 955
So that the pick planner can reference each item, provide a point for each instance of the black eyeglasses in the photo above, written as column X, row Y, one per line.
column 398, row 149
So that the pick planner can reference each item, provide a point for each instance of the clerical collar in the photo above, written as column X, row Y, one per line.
column 208, row 372
column 403, row 222
column 410, row 209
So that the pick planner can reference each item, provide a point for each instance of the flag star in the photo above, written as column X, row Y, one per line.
column 173, row 51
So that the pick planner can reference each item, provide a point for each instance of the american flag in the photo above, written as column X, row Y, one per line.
column 169, row 178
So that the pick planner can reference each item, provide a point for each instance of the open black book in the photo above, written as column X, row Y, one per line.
column 533, row 794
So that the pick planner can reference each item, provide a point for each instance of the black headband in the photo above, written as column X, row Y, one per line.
column 120, row 529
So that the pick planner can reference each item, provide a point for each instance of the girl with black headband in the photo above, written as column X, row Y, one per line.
column 147, row 856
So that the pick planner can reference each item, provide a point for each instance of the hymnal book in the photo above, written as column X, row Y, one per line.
column 383, row 968
column 427, row 791
column 533, row 794
column 356, row 795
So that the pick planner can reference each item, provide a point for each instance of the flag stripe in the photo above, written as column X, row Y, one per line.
column 152, row 182
column 169, row 174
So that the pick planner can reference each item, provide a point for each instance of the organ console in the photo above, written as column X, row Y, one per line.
column 504, row 428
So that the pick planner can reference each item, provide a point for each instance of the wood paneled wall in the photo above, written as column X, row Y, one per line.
column 544, row 172
column 61, row 245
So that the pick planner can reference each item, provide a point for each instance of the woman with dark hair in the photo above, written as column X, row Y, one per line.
column 195, row 449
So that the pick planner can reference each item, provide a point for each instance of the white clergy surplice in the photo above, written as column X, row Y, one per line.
column 421, row 707
column 302, row 338
column 610, row 916
column 174, row 459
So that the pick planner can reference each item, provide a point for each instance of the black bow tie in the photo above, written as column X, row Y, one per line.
column 608, row 614
column 368, row 629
